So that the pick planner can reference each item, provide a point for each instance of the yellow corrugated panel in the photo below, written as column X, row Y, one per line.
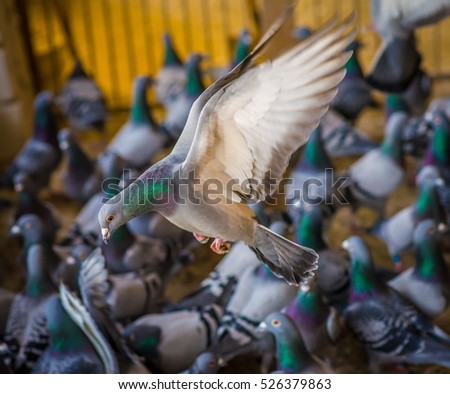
column 119, row 39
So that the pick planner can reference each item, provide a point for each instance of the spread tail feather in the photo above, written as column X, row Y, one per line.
column 286, row 259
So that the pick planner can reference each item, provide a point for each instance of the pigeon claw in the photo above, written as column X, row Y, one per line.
column 220, row 246
column 201, row 238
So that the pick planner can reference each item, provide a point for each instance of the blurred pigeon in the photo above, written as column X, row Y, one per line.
column 397, row 231
column 302, row 32
column 26, row 333
column 242, row 101
column 140, row 139
column 179, row 108
column 418, row 92
column 82, row 101
column 171, row 79
column 390, row 328
column 69, row 268
column 70, row 350
column 29, row 203
column 333, row 271
column 427, row 284
column 161, row 338
column 397, row 60
column 315, row 320
column 375, row 176
column 82, row 178
column 354, row 93
column 291, row 354
column 37, row 246
column 41, row 154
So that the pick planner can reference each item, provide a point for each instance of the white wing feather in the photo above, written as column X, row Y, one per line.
column 254, row 124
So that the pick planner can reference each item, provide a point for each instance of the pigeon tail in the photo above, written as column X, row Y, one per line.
column 286, row 259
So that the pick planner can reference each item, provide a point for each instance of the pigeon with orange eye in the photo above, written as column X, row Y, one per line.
column 290, row 350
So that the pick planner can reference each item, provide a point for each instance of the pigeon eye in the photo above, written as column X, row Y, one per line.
column 82, row 256
column 212, row 364
column 110, row 218
column 28, row 225
column 276, row 323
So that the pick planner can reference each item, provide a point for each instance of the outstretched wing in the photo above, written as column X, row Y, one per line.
column 248, row 130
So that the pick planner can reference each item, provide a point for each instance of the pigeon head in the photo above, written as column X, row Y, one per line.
column 171, row 58
column 194, row 84
column 430, row 264
column 66, row 139
column 78, row 254
column 302, row 32
column 45, row 127
column 427, row 174
column 111, row 216
column 207, row 362
column 440, row 144
column 363, row 277
column 291, row 350
column 242, row 48
column 140, row 109
column 310, row 227
column 142, row 339
column 308, row 309
column 29, row 227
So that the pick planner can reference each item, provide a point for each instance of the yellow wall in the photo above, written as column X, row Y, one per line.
column 114, row 56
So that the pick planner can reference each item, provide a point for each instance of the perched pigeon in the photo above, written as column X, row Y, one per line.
column 41, row 154
column 172, row 77
column 161, row 338
column 390, row 328
column 397, row 61
column 315, row 320
column 375, row 176
column 291, row 354
column 397, row 231
column 179, row 108
column 82, row 101
column 25, row 332
column 354, row 93
column 427, row 284
column 219, row 142
column 70, row 350
column 82, row 178
column 140, row 138
column 333, row 272
column 29, row 203
column 37, row 245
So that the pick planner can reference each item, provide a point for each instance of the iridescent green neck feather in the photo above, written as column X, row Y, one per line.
column 140, row 109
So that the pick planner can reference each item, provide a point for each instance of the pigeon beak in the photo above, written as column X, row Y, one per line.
column 18, row 187
column 442, row 228
column 15, row 230
column 345, row 245
column 106, row 234
column 71, row 260
column 261, row 328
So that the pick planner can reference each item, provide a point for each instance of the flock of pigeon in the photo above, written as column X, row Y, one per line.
column 89, row 306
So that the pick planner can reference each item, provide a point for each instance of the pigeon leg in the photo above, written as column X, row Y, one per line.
column 201, row 238
column 220, row 246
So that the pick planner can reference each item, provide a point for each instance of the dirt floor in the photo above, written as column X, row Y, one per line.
column 351, row 358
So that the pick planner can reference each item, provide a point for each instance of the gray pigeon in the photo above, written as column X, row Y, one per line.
column 82, row 177
column 171, row 79
column 291, row 353
column 427, row 284
column 242, row 154
column 140, row 139
column 376, row 175
column 179, row 108
column 162, row 338
column 397, row 61
column 41, row 154
column 391, row 329
column 82, row 101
